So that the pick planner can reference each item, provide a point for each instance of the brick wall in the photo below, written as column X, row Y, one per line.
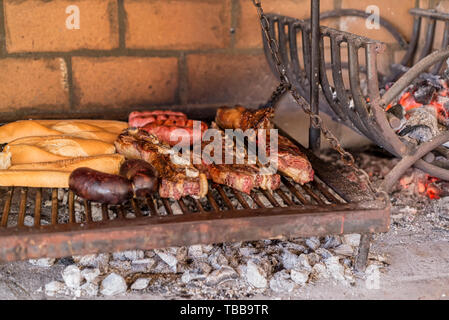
column 130, row 53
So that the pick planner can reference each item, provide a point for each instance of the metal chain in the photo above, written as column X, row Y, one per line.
column 316, row 120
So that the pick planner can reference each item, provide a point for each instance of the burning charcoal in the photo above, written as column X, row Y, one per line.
column 424, row 93
column 420, row 132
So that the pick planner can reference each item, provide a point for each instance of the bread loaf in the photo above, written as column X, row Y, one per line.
column 104, row 163
column 56, row 174
column 34, row 179
column 29, row 128
column 53, row 148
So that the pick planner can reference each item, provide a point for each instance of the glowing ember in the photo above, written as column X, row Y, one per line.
column 422, row 184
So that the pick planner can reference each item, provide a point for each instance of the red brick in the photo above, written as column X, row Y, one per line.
column 248, row 34
column 396, row 12
column 221, row 78
column 37, row 25
column 178, row 24
column 124, row 81
column 33, row 83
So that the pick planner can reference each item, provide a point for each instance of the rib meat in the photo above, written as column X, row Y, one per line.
column 243, row 177
column 291, row 161
column 177, row 179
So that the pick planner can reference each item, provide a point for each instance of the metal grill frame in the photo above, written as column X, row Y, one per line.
column 352, row 209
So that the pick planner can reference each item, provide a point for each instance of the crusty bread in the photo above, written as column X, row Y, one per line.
column 56, row 174
column 34, row 179
column 53, row 148
column 29, row 128
column 5, row 158
column 105, row 163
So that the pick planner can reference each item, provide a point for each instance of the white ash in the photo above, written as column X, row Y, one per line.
column 89, row 289
column 72, row 276
column 300, row 276
column 281, row 282
column 130, row 255
column 90, row 275
column 140, row 284
column 351, row 239
column 44, row 262
column 221, row 275
column 255, row 275
column 113, row 284
column 344, row 250
column 100, row 261
column 55, row 287
column 228, row 270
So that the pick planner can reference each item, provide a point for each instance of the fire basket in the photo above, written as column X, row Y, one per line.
column 363, row 111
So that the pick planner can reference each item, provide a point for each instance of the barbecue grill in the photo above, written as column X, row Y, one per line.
column 362, row 111
column 38, row 222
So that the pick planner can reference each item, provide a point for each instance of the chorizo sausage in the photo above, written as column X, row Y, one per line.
column 100, row 187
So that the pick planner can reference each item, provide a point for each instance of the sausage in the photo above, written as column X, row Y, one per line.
column 143, row 176
column 100, row 187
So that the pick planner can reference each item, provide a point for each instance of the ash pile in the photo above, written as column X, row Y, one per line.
column 229, row 270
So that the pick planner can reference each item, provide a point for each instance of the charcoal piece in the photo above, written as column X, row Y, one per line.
column 432, row 80
column 397, row 110
column 424, row 92
column 419, row 132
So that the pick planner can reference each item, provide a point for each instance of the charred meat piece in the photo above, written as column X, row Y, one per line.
column 170, row 127
column 177, row 178
column 242, row 118
column 243, row 177
column 291, row 161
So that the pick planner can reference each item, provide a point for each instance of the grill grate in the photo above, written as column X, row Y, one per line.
column 49, row 207
column 38, row 222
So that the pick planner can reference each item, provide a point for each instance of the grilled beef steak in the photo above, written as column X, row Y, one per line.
column 243, row 177
column 178, row 179
column 291, row 161
column 164, row 124
column 242, row 118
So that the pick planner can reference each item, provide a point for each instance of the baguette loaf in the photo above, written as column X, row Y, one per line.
column 56, row 174
column 28, row 128
column 34, row 179
column 53, row 148
column 104, row 163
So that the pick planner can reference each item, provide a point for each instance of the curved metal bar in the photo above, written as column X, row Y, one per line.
column 407, row 60
column 411, row 75
column 282, row 41
column 326, row 87
column 294, row 56
column 362, row 14
column 306, row 50
column 410, row 159
column 430, row 37
column 444, row 44
column 432, row 170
